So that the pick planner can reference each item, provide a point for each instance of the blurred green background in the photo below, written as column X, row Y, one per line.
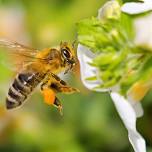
column 90, row 122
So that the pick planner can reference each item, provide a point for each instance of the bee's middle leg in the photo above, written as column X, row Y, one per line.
column 62, row 89
column 58, row 85
column 58, row 80
column 61, row 86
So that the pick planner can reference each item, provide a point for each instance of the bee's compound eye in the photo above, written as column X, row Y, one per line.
column 65, row 53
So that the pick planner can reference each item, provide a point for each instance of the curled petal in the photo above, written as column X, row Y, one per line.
column 128, row 116
column 136, row 8
column 137, row 108
column 136, row 105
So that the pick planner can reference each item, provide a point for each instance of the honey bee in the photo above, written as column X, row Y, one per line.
column 39, row 68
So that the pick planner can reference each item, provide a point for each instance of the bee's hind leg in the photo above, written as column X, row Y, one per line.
column 49, row 94
column 52, row 85
column 51, row 99
column 58, row 105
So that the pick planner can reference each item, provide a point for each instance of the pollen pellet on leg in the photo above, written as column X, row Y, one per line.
column 49, row 96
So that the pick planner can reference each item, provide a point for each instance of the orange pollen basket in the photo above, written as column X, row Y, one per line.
column 49, row 96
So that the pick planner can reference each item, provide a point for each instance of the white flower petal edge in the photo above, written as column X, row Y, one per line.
column 85, row 56
column 137, row 7
column 128, row 116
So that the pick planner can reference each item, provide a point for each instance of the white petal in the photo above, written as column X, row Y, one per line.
column 143, row 31
column 136, row 8
column 85, row 56
column 128, row 116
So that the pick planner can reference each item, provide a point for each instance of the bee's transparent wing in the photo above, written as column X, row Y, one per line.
column 17, row 54
column 18, row 49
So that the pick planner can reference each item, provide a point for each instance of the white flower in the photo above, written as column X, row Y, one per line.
column 137, row 7
column 128, row 109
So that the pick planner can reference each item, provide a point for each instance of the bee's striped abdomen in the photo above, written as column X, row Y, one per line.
column 22, row 86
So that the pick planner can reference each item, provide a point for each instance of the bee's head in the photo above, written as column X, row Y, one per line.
column 67, row 55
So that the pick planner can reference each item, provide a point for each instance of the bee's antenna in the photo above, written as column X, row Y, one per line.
column 61, row 43
column 74, row 43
